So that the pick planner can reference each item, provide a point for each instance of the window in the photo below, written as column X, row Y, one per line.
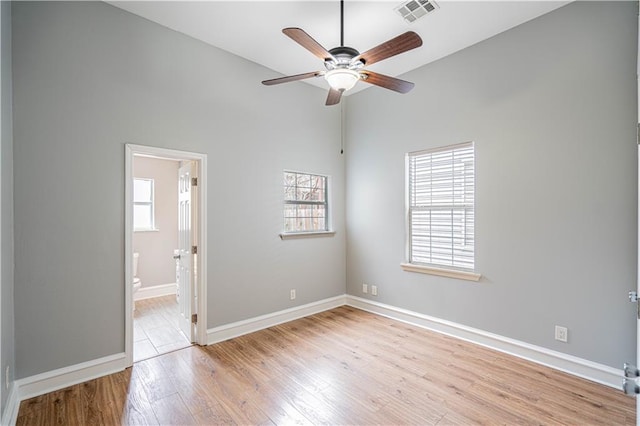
column 440, row 202
column 305, row 203
column 143, row 219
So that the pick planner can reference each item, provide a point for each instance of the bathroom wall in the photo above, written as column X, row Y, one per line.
column 155, row 264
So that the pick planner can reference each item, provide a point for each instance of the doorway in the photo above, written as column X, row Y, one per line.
column 165, row 223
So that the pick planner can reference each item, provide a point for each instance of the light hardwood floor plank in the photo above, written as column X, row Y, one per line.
column 342, row 366
column 33, row 411
column 171, row 410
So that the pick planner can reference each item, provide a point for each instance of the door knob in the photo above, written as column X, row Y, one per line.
column 176, row 256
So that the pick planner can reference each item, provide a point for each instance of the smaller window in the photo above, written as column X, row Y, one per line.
column 305, row 203
column 143, row 217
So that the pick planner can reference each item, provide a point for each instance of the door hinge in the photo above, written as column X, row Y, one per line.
column 633, row 298
column 194, row 249
column 194, row 318
column 194, row 181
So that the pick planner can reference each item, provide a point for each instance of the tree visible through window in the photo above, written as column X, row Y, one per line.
column 305, row 202
column 440, row 201
column 143, row 217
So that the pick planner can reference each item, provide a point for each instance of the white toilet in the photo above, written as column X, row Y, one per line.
column 136, row 281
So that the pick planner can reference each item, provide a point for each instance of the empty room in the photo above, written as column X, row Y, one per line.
column 319, row 212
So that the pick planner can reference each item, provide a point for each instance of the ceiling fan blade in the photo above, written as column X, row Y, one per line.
column 387, row 82
column 305, row 40
column 290, row 78
column 334, row 97
column 395, row 46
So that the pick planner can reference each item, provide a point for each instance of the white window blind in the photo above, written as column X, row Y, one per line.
column 440, row 200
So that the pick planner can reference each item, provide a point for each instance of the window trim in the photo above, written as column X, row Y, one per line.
column 308, row 234
column 441, row 272
column 433, row 268
column 328, row 228
column 151, row 203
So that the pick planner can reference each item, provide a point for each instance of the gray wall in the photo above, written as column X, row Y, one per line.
column 155, row 264
column 551, row 106
column 7, row 356
column 88, row 78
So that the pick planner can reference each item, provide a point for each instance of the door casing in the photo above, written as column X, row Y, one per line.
column 199, row 289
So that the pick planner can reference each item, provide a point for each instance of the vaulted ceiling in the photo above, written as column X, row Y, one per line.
column 253, row 29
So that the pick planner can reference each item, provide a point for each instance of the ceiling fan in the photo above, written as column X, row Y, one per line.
column 345, row 65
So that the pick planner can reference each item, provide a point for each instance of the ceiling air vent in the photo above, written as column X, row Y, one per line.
column 412, row 10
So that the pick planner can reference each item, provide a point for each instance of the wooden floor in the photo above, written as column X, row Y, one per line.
column 156, row 329
column 343, row 366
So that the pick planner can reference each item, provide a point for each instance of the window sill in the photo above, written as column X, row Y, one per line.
column 450, row 273
column 313, row 234
column 146, row 230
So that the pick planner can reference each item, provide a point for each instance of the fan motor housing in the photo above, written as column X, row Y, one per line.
column 344, row 55
column 344, row 51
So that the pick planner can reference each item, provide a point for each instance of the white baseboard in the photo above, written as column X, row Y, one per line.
column 580, row 367
column 68, row 376
column 155, row 291
column 58, row 379
column 239, row 328
column 10, row 414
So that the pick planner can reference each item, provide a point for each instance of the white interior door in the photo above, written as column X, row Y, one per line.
column 638, row 277
column 631, row 383
column 638, row 264
column 185, row 257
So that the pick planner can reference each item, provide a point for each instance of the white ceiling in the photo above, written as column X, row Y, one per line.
column 253, row 29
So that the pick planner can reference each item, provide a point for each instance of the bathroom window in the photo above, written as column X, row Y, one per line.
column 305, row 203
column 143, row 215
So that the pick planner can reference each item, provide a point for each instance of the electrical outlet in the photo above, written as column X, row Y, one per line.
column 374, row 290
column 365, row 288
column 6, row 377
column 292, row 294
column 562, row 333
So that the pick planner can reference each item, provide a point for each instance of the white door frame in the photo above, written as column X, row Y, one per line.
column 201, row 237
column 638, row 260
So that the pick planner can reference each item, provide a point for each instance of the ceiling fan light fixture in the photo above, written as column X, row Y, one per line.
column 345, row 65
column 342, row 79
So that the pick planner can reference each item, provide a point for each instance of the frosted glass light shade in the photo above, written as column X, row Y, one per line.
column 342, row 78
